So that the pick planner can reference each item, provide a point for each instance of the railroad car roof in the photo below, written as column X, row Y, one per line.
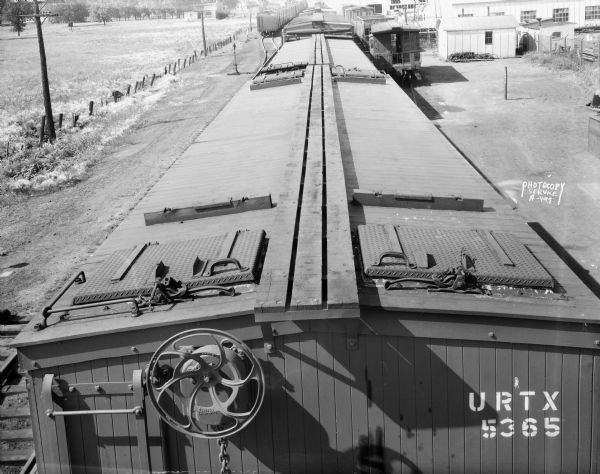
column 375, row 140
column 391, row 27
column 399, row 150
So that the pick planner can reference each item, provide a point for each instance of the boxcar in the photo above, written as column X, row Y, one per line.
column 271, row 21
column 362, row 26
column 317, row 21
column 332, row 288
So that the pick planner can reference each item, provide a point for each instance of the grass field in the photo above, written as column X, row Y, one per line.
column 84, row 64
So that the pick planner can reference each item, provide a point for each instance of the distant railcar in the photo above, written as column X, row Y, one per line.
column 396, row 47
column 271, row 21
column 362, row 26
column 318, row 21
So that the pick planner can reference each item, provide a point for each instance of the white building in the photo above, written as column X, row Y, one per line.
column 580, row 12
column 488, row 34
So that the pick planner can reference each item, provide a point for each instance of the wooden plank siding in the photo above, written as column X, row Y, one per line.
column 398, row 402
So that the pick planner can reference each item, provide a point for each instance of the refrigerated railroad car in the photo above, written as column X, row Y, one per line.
column 271, row 21
column 317, row 21
column 362, row 26
column 332, row 288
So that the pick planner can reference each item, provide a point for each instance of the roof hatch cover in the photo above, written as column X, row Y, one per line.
column 196, row 263
column 419, row 252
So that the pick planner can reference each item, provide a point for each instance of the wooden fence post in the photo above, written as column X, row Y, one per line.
column 75, row 118
column 42, row 129
column 184, row 61
column 91, row 107
column 60, row 120
column 179, row 63
column 128, row 88
column 152, row 81
column 143, row 82
column 136, row 87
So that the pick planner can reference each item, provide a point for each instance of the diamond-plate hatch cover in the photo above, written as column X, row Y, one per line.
column 498, row 258
column 179, row 257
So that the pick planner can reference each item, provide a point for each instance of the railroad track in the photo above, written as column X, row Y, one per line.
column 16, row 439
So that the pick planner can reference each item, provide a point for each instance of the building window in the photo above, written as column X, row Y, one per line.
column 527, row 16
column 556, row 34
column 497, row 13
column 592, row 12
column 560, row 14
column 488, row 37
column 463, row 15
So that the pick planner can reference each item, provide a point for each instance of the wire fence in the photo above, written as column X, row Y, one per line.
column 63, row 120
column 586, row 50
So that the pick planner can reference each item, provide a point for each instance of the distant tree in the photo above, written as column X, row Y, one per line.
column 80, row 12
column 145, row 12
column 114, row 12
column 102, row 14
column 3, row 4
column 230, row 4
column 70, row 13
column 15, row 12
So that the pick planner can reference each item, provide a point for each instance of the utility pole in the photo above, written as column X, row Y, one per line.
column 203, row 36
column 45, row 85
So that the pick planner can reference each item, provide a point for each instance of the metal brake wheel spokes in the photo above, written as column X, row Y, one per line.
column 205, row 383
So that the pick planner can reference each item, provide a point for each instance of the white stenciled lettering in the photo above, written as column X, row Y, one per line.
column 472, row 401
column 526, row 399
column 529, row 427
column 489, row 428
column 550, row 401
column 503, row 399
column 552, row 429
column 509, row 425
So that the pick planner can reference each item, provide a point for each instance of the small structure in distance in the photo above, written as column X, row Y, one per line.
column 492, row 35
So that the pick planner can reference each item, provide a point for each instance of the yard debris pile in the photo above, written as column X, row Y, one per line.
column 470, row 56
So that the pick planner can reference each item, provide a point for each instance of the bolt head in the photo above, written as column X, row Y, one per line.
column 206, row 378
column 98, row 388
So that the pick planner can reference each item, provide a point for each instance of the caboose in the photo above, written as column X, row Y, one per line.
column 396, row 47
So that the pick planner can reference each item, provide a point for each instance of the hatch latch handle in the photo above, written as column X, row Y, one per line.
column 394, row 254
column 210, row 270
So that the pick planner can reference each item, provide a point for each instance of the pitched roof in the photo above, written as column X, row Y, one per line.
column 478, row 23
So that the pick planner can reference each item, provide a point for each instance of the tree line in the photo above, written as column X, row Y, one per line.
column 70, row 13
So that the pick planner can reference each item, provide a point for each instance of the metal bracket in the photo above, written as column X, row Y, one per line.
column 352, row 335
column 268, row 339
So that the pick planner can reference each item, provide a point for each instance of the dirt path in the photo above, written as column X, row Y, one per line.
column 45, row 237
column 537, row 137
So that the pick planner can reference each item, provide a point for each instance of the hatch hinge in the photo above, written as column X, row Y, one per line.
column 268, row 339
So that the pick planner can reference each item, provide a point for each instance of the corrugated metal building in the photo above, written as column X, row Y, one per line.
column 488, row 34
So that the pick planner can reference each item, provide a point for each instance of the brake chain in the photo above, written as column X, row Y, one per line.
column 224, row 456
